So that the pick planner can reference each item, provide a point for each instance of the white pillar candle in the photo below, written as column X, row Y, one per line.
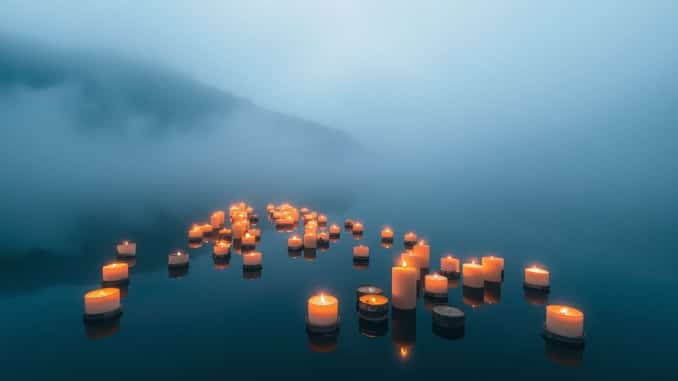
column 449, row 264
column 102, row 300
column 537, row 277
column 252, row 259
column 177, row 258
column 294, row 243
column 565, row 321
column 115, row 272
column 423, row 250
column 310, row 240
column 127, row 249
column 404, row 286
column 412, row 260
column 473, row 275
column 492, row 268
column 435, row 284
column 323, row 310
column 361, row 252
column 221, row 248
column 217, row 219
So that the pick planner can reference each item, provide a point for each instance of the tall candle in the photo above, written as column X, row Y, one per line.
column 473, row 275
column 412, row 260
column 115, row 272
column 449, row 264
column 387, row 234
column 217, row 219
column 178, row 258
column 127, row 249
column 435, row 284
column 294, row 243
column 492, row 268
column 404, row 286
column 537, row 277
column 564, row 321
column 323, row 310
column 361, row 252
column 102, row 300
column 358, row 227
column 310, row 240
column 252, row 259
column 423, row 250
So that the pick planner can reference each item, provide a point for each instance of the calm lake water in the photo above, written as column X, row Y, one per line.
column 213, row 322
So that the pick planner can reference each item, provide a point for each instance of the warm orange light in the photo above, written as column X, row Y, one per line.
column 404, row 352
column 374, row 299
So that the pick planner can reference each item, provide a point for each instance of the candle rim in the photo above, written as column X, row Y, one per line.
column 564, row 310
column 379, row 299
column 323, row 299
column 102, row 292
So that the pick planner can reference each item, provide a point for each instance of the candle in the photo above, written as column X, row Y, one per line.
column 127, row 249
column 387, row 234
column 257, row 233
column 248, row 241
column 335, row 231
column 412, row 260
column 537, row 278
column 564, row 321
column 323, row 311
column 492, row 268
column 358, row 227
column 323, row 238
column 448, row 322
column 195, row 233
column 365, row 290
column 178, row 259
column 348, row 224
column 206, row 228
column 115, row 273
column 449, row 266
column 294, row 243
column 473, row 275
column 435, row 285
column 103, row 301
column 252, row 261
column 410, row 238
column 221, row 248
column 240, row 228
column 310, row 240
column 361, row 253
column 373, row 307
column 404, row 286
column 492, row 293
column 322, row 220
column 423, row 251
column 225, row 233
column 217, row 219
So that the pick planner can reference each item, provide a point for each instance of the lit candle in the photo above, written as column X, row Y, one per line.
column 412, row 260
column 127, row 249
column 373, row 307
column 256, row 232
column 492, row 268
column 178, row 259
column 361, row 253
column 217, row 219
column 537, row 278
column 473, row 275
column 449, row 266
column 435, row 285
column 115, row 273
column 358, row 227
column 252, row 261
column 387, row 234
column 221, row 248
column 195, row 233
column 423, row 250
column 103, row 302
column 348, row 224
column 248, row 241
column 294, row 243
column 225, row 233
column 404, row 286
column 310, row 241
column 323, row 238
column 335, row 231
column 240, row 228
column 323, row 311
column 322, row 220
column 206, row 228
column 410, row 238
column 564, row 321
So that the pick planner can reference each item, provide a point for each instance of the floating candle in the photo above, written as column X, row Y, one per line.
column 365, row 290
column 323, row 311
column 412, row 260
column 115, row 273
column 294, row 243
column 206, row 228
column 348, row 224
column 473, row 275
column 335, row 231
column 423, row 250
column 195, row 233
column 256, row 232
column 493, row 267
column 103, row 303
column 404, row 286
column 537, row 278
column 217, row 219
column 357, row 227
column 435, row 285
column 240, row 228
column 248, row 241
column 387, row 234
column 178, row 259
column 126, row 249
column 221, row 248
column 323, row 238
column 310, row 241
column 373, row 307
column 225, row 233
column 410, row 239
column 564, row 323
column 252, row 261
column 449, row 266
column 361, row 253
column 322, row 220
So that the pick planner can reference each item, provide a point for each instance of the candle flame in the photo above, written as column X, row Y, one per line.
column 404, row 352
column 373, row 299
column 563, row 310
column 403, row 263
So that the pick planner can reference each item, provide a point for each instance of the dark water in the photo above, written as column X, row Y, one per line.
column 214, row 323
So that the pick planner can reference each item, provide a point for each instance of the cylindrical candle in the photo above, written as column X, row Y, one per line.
column 565, row 321
column 323, row 311
column 492, row 268
column 410, row 238
column 248, row 240
column 217, row 219
column 127, row 249
column 412, row 260
column 536, row 277
column 348, row 224
column 115, row 272
column 404, row 286
column 358, row 227
column 195, row 233
column 473, row 275
column 294, row 243
column 373, row 307
column 435, row 284
column 322, row 220
column 361, row 252
column 387, row 234
column 310, row 240
column 252, row 260
column 178, row 258
column 240, row 228
column 102, row 301
column 423, row 250
column 221, row 248
column 449, row 265
column 335, row 230
column 323, row 238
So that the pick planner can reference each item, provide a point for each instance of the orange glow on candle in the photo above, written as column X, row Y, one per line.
column 537, row 276
column 404, row 286
column 449, row 264
column 386, row 233
column 374, row 300
column 565, row 321
column 435, row 283
column 423, row 251
column 335, row 229
column 323, row 310
column 294, row 242
column 492, row 268
column 102, row 300
column 358, row 227
column 473, row 275
column 115, row 271
column 195, row 232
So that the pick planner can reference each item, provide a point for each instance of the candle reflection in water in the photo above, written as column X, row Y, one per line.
column 536, row 297
column 565, row 355
column 472, row 296
column 103, row 329
column 310, row 254
column 404, row 332
column 492, row 293
column 373, row 328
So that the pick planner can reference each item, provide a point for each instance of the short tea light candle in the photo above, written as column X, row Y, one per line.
column 493, row 267
column 206, row 229
column 323, row 238
column 564, row 323
column 115, row 274
column 178, row 259
column 423, row 251
column 126, row 249
column 248, row 241
column 102, row 304
column 449, row 266
column 361, row 253
column 473, row 275
column 387, row 234
column 409, row 239
column 435, row 286
column 252, row 261
column 348, row 224
column 195, row 233
column 322, row 314
column 404, row 286
column 358, row 228
column 335, row 231
column 310, row 241
column 294, row 243
column 322, row 220
column 537, row 278
column 373, row 307
column 221, row 248
column 217, row 219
